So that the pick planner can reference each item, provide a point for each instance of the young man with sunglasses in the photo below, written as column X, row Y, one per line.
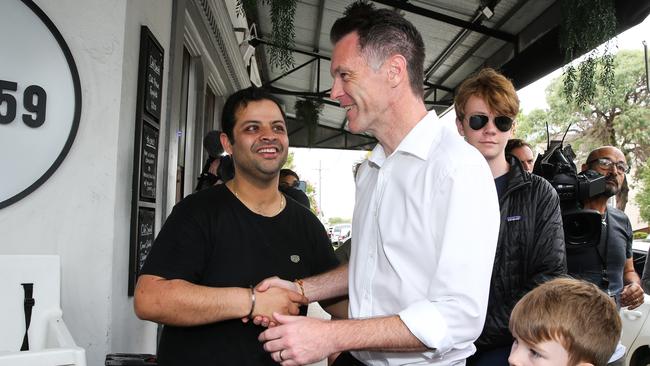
column 609, row 265
column 530, row 249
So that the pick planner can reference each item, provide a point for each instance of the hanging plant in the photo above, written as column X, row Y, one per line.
column 282, row 15
column 585, row 25
column 308, row 111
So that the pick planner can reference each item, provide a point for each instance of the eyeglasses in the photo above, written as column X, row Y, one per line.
column 478, row 121
column 607, row 164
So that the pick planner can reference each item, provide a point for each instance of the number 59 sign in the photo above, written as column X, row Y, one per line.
column 40, row 99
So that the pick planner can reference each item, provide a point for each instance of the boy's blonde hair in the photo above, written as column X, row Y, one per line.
column 574, row 313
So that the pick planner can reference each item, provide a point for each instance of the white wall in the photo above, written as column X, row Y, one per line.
column 82, row 212
column 129, row 334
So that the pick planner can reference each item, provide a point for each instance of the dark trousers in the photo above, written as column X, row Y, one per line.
column 493, row 357
column 346, row 359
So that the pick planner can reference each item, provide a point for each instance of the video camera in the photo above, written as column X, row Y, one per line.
column 582, row 227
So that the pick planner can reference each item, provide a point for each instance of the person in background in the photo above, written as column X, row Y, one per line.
column 289, row 185
column 522, row 151
column 530, row 249
column 418, row 286
column 609, row 264
column 218, row 168
column 217, row 243
column 564, row 322
column 289, row 178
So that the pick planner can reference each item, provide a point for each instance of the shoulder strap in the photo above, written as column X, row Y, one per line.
column 28, row 304
column 602, row 250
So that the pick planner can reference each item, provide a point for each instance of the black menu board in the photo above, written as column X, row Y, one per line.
column 145, row 148
column 153, row 81
column 148, row 163
column 146, row 232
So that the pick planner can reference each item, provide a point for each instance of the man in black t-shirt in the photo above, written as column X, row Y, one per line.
column 220, row 242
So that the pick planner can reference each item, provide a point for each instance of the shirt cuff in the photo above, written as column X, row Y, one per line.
column 427, row 324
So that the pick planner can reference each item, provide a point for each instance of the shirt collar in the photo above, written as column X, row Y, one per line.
column 417, row 142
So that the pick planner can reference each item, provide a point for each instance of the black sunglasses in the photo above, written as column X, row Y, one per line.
column 478, row 121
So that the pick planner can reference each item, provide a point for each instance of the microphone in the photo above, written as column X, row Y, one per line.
column 212, row 144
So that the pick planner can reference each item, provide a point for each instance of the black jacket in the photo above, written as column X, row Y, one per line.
column 529, row 252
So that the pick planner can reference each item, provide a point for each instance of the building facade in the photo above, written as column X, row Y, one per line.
column 84, row 209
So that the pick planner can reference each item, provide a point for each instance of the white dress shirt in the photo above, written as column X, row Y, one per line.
column 425, row 227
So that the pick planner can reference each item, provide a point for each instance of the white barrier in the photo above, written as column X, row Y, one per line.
column 50, row 342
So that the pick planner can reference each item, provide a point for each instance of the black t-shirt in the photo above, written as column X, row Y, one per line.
column 212, row 239
column 587, row 263
column 501, row 184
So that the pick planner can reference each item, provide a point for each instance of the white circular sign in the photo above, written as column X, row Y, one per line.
column 40, row 99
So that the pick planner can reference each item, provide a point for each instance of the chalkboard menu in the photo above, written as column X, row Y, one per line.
column 146, row 225
column 145, row 152
column 149, row 159
column 153, row 81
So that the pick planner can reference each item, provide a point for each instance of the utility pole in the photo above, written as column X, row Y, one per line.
column 645, row 58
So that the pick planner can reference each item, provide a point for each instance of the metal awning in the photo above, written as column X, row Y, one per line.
column 518, row 37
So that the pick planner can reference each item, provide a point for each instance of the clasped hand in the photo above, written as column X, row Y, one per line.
column 275, row 295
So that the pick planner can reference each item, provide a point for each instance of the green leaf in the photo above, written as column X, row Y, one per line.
column 585, row 25
column 618, row 115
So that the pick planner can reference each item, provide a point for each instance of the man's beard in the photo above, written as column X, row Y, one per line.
column 611, row 190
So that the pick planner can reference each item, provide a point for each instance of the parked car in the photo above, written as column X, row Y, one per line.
column 636, row 327
column 340, row 233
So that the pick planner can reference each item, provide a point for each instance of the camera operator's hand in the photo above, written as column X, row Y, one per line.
column 632, row 296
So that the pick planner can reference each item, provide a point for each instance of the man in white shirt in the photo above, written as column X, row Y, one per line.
column 425, row 223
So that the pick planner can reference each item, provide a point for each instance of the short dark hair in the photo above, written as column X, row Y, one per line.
column 515, row 144
column 286, row 172
column 240, row 99
column 383, row 33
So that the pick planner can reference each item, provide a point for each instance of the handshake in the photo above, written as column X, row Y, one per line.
column 275, row 295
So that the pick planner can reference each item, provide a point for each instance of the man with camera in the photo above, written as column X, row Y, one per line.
column 609, row 265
